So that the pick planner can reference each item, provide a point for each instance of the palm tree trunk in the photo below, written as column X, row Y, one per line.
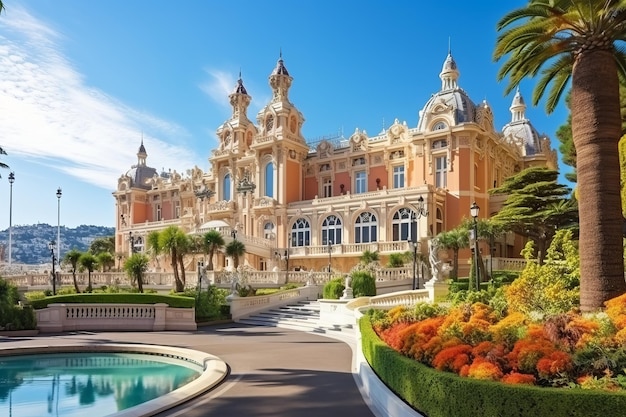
column 75, row 282
column 210, row 265
column 596, row 129
column 179, row 285
column 455, row 264
column 182, row 272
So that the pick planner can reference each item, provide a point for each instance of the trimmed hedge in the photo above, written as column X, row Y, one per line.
column 363, row 284
column 333, row 289
column 116, row 298
column 444, row 394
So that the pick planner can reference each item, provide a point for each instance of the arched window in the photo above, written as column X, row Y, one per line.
column 404, row 225
column 331, row 230
column 269, row 179
column 301, row 233
column 269, row 123
column 226, row 184
column 269, row 231
column 366, row 228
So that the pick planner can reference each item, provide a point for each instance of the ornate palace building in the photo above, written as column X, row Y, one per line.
column 302, row 205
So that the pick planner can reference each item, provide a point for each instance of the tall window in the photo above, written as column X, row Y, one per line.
column 439, row 220
column 327, row 188
column 301, row 233
column 360, row 182
column 398, row 176
column 331, row 230
column 404, row 225
column 158, row 212
column 226, row 184
column 441, row 168
column 177, row 209
column 269, row 180
column 268, row 231
column 365, row 228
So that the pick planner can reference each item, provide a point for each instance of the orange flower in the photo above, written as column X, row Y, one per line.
column 517, row 378
column 555, row 364
column 452, row 358
column 482, row 369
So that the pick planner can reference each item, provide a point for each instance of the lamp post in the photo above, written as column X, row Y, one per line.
column 54, row 259
column 59, row 193
column 416, row 281
column 420, row 211
column 330, row 251
column 474, row 209
column 11, row 181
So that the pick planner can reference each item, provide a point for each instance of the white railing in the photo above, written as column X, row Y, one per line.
column 102, row 317
column 400, row 298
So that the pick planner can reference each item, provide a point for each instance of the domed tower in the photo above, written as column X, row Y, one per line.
column 520, row 131
column 140, row 173
column 450, row 106
column 237, row 132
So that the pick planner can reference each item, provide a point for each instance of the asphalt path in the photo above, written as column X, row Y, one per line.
column 273, row 371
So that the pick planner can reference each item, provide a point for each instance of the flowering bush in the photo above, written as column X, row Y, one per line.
column 471, row 340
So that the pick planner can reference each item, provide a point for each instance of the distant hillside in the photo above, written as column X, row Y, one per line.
column 30, row 243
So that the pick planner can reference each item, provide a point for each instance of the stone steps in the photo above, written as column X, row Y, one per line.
column 303, row 316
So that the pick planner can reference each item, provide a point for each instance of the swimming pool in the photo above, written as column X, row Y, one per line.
column 100, row 383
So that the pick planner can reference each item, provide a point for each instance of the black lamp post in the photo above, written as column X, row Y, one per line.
column 474, row 210
column 11, row 181
column 233, row 234
column 59, row 193
column 54, row 259
column 416, row 281
column 330, row 251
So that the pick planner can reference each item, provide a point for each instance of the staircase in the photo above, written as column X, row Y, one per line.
column 303, row 316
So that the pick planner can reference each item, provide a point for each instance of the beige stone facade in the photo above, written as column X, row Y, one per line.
column 290, row 200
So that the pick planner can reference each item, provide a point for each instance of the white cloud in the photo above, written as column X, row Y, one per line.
column 48, row 114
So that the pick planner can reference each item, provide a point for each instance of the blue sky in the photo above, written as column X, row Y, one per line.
column 82, row 81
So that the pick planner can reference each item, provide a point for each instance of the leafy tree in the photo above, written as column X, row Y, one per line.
column 71, row 258
column 455, row 239
column 212, row 241
column 102, row 244
column 235, row 249
column 536, row 206
column 171, row 240
column 136, row 266
column 105, row 260
column 90, row 263
column 556, row 40
column 396, row 260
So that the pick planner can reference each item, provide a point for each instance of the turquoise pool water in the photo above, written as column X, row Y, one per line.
column 87, row 384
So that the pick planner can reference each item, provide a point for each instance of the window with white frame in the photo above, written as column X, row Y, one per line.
column 226, row 187
column 327, row 187
column 177, row 209
column 331, row 230
column 269, row 180
column 398, row 176
column 360, row 182
column 301, row 233
column 366, row 228
column 404, row 225
column 441, row 172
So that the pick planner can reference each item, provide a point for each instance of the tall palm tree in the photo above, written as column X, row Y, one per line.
column 105, row 260
column 455, row 240
column 2, row 152
column 576, row 39
column 153, row 247
column 235, row 249
column 212, row 241
column 72, row 258
column 171, row 241
column 185, row 247
column 90, row 263
column 135, row 267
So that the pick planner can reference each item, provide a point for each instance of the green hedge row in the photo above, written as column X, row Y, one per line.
column 13, row 317
column 116, row 298
column 444, row 394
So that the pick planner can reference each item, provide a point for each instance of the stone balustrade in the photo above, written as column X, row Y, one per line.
column 242, row 307
column 106, row 317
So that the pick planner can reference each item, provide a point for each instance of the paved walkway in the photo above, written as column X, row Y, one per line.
column 273, row 371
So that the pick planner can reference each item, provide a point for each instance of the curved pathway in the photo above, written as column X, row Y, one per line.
column 273, row 371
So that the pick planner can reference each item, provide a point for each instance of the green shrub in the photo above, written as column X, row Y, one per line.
column 176, row 301
column 8, row 293
column 363, row 284
column 333, row 289
column 209, row 303
column 34, row 295
column 66, row 290
column 14, row 317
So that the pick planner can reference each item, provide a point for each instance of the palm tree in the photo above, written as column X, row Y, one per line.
column 235, row 249
column 89, row 262
column 105, row 260
column 72, row 258
column 575, row 39
column 185, row 246
column 171, row 241
column 153, row 247
column 455, row 239
column 212, row 241
column 2, row 152
column 369, row 256
column 135, row 267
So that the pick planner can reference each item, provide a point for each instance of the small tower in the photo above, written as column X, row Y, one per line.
column 449, row 74
column 280, row 81
column 518, row 108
